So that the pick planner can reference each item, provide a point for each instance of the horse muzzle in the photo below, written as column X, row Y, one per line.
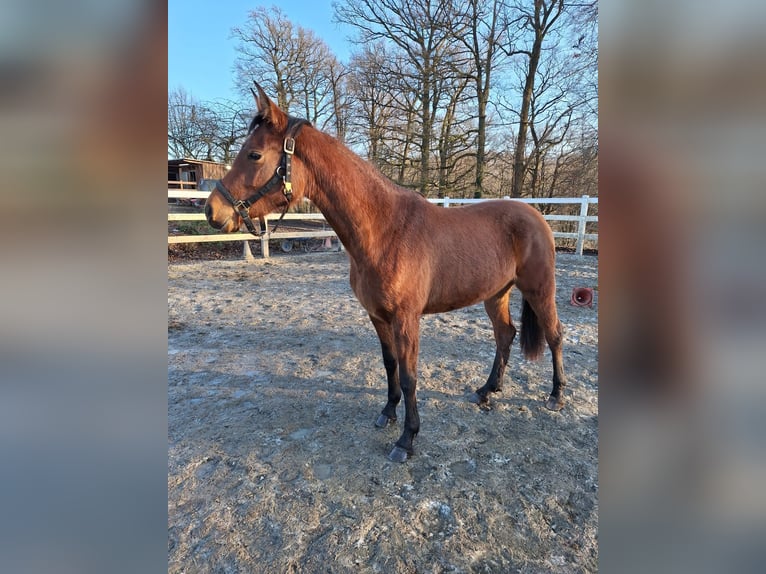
column 222, row 217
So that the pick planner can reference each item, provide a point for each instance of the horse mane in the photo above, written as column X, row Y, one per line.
column 333, row 152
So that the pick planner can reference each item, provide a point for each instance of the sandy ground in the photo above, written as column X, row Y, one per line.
column 274, row 464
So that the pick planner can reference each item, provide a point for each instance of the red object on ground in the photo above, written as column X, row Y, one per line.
column 582, row 297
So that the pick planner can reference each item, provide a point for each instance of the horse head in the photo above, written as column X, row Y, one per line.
column 262, row 175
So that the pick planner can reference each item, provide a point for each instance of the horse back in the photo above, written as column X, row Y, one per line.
column 482, row 249
column 433, row 259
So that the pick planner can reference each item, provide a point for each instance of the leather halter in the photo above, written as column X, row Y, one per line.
column 282, row 173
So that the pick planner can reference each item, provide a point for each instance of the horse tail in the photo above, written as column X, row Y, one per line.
column 531, row 337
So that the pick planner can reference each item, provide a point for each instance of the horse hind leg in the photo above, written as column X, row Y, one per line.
column 541, row 319
column 499, row 313
column 554, row 335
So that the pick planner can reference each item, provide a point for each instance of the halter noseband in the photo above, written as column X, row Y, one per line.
column 282, row 173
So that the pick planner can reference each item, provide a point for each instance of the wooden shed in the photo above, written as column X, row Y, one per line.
column 189, row 173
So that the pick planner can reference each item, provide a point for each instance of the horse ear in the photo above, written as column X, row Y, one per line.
column 268, row 109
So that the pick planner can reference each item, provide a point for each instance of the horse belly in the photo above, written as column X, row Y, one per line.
column 456, row 291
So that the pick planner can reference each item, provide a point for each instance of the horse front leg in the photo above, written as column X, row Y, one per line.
column 386, row 336
column 406, row 332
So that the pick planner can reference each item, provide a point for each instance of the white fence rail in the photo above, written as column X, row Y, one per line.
column 580, row 236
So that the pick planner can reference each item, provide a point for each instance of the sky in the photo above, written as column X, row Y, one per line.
column 201, row 52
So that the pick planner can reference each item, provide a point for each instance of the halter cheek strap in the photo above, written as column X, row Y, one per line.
column 283, row 173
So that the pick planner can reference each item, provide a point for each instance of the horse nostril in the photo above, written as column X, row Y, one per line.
column 209, row 215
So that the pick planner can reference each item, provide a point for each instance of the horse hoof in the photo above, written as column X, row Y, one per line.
column 383, row 421
column 478, row 399
column 554, row 404
column 398, row 455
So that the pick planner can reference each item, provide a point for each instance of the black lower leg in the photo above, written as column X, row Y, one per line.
column 494, row 383
column 411, row 416
column 556, row 401
column 504, row 331
column 388, row 414
column 404, row 446
column 406, row 336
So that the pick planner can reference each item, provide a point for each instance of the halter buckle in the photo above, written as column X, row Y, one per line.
column 289, row 146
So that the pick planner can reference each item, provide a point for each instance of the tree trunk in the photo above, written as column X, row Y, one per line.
column 480, row 145
column 519, row 156
column 542, row 23
column 425, row 144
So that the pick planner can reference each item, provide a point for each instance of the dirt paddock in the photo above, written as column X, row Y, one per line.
column 274, row 464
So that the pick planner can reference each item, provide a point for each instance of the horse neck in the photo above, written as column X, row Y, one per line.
column 354, row 197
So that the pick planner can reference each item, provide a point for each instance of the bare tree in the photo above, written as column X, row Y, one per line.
column 371, row 96
column 456, row 140
column 538, row 22
column 292, row 62
column 564, row 99
column 204, row 130
column 190, row 126
column 436, row 86
column 386, row 110
column 422, row 31
column 338, row 81
column 231, row 120
column 268, row 53
column 578, row 169
column 554, row 101
column 485, row 34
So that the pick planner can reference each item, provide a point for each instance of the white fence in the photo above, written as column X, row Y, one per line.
column 580, row 236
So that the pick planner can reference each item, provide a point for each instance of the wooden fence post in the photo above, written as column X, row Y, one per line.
column 246, row 252
column 446, row 201
column 581, row 224
column 265, row 241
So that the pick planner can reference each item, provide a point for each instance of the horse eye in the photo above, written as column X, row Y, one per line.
column 254, row 155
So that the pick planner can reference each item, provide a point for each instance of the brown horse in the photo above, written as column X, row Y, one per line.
column 407, row 256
